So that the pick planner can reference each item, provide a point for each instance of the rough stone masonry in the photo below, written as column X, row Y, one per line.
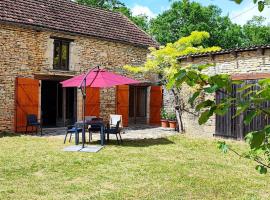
column 25, row 52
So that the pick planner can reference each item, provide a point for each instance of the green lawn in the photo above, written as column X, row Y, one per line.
column 174, row 168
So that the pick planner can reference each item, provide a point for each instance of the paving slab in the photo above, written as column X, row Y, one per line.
column 86, row 149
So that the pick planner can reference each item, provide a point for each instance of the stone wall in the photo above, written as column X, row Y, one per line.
column 246, row 62
column 26, row 52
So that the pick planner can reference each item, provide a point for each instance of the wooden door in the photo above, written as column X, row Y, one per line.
column 27, row 101
column 122, row 100
column 92, row 102
column 155, row 104
column 233, row 127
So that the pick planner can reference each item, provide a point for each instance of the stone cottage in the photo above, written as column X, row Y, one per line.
column 249, row 64
column 43, row 42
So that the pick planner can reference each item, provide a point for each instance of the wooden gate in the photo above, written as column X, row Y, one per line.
column 234, row 127
column 27, row 101
column 155, row 104
column 122, row 99
column 92, row 102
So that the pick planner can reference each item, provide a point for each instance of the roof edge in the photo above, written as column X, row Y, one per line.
column 226, row 51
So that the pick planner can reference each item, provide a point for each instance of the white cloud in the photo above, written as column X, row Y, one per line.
column 143, row 10
column 245, row 14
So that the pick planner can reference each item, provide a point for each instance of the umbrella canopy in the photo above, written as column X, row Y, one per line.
column 99, row 78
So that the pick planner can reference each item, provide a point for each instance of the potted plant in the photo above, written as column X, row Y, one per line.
column 164, row 119
column 172, row 120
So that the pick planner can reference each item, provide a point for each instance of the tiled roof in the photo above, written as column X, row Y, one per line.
column 67, row 16
column 226, row 51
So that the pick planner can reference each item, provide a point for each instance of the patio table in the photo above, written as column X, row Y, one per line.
column 99, row 123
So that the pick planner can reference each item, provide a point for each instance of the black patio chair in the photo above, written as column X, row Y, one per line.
column 114, row 131
column 71, row 130
column 94, row 128
column 32, row 121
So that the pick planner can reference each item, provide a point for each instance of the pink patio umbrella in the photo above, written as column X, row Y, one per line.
column 97, row 78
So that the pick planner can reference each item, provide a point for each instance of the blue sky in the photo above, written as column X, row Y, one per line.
column 238, row 13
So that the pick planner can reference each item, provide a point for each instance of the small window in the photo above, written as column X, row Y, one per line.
column 61, row 55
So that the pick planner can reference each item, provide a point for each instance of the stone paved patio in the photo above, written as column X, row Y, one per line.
column 134, row 132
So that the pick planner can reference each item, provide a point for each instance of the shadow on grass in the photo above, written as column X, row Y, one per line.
column 8, row 134
column 137, row 142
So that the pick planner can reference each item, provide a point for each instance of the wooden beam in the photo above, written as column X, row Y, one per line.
column 260, row 52
column 250, row 76
column 190, row 58
column 61, row 38
column 234, row 53
column 52, row 77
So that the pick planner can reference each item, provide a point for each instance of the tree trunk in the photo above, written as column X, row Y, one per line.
column 178, row 111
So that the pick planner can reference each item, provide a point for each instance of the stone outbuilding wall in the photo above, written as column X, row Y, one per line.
column 26, row 52
column 253, row 63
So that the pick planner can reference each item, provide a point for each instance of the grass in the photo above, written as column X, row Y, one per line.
column 174, row 168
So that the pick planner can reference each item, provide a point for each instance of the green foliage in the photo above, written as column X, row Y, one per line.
column 172, row 116
column 223, row 146
column 163, row 114
column 118, row 6
column 261, row 169
column 261, row 3
column 186, row 16
column 255, row 32
column 106, row 4
column 164, row 62
column 141, row 21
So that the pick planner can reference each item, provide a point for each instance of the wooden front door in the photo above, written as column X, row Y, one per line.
column 155, row 104
column 27, row 101
column 92, row 102
column 123, row 103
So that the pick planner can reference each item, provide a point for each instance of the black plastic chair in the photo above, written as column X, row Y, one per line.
column 71, row 130
column 94, row 128
column 114, row 131
column 32, row 121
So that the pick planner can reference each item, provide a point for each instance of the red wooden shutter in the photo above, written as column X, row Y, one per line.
column 123, row 103
column 92, row 102
column 155, row 104
column 27, row 101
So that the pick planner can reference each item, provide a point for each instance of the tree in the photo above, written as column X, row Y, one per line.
column 141, row 21
column 118, row 6
column 203, row 86
column 261, row 3
column 163, row 63
column 256, row 33
column 106, row 4
column 185, row 16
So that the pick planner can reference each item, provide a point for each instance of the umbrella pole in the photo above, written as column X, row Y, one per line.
column 83, row 90
column 83, row 111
